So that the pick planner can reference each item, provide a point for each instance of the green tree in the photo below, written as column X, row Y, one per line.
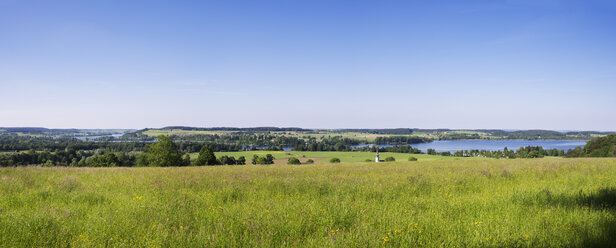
column 186, row 160
column 142, row 160
column 163, row 152
column 600, row 147
column 206, row 157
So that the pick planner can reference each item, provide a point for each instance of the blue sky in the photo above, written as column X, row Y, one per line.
column 316, row 64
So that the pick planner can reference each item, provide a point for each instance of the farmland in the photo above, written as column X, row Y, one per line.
column 369, row 135
column 548, row 202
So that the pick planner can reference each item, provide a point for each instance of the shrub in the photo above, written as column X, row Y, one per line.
column 293, row 160
column 310, row 161
column 368, row 160
column 390, row 159
column 268, row 159
column 334, row 160
column 411, row 158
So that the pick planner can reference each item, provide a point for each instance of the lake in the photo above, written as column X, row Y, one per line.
column 93, row 137
column 492, row 145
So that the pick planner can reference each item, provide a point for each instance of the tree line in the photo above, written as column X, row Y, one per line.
column 164, row 152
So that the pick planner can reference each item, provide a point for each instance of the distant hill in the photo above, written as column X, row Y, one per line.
column 38, row 131
column 35, row 130
column 397, row 131
column 245, row 129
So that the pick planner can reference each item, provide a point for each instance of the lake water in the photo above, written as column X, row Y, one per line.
column 493, row 145
column 93, row 137
column 286, row 148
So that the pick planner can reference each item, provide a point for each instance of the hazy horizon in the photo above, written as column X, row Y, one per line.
column 511, row 64
column 504, row 129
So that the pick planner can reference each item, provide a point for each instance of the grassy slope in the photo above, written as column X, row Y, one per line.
column 551, row 202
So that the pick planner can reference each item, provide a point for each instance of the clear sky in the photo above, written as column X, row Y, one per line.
column 519, row 64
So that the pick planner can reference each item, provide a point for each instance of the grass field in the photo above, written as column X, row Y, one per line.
column 550, row 202
column 323, row 157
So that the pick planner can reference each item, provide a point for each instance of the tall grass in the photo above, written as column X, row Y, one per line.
column 551, row 202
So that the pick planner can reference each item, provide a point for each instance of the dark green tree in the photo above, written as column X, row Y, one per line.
column 206, row 157
column 163, row 152
column 186, row 160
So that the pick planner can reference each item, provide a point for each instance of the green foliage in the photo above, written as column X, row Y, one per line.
column 334, row 160
column 267, row 159
column 107, row 160
column 186, row 159
column 411, row 158
column 531, row 152
column 163, row 153
column 241, row 160
column 601, row 147
column 390, row 159
column 226, row 160
column 399, row 149
column 367, row 160
column 142, row 160
column 293, row 160
column 206, row 157
column 310, row 161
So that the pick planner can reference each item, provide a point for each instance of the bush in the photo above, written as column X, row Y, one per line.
column 368, row 160
column 390, row 159
column 268, row 159
column 293, row 160
column 334, row 160
column 310, row 161
column 411, row 158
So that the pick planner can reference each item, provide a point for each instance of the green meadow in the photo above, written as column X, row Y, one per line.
column 323, row 157
column 549, row 202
